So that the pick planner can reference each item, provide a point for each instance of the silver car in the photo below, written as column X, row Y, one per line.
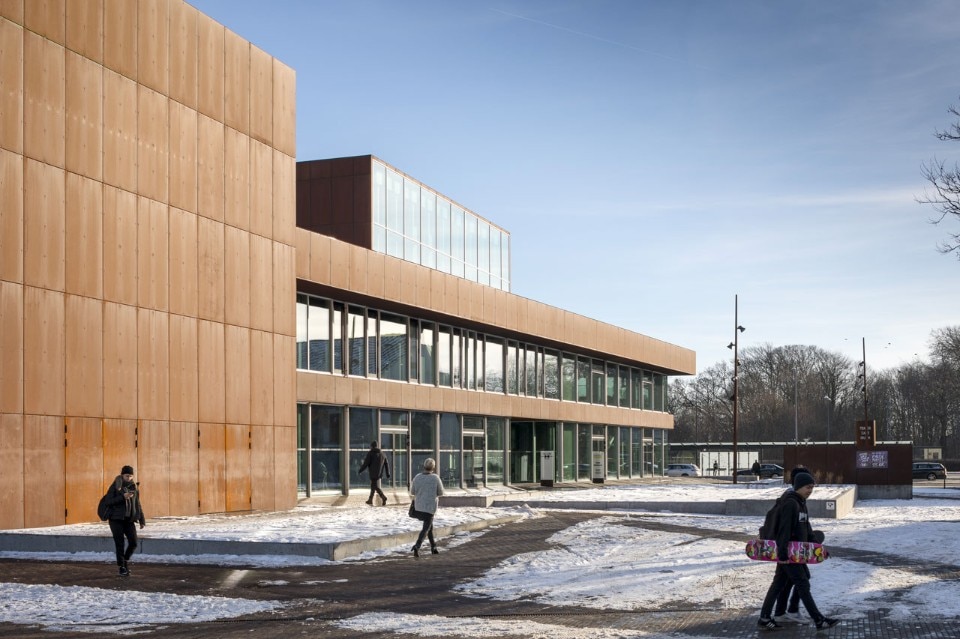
column 683, row 470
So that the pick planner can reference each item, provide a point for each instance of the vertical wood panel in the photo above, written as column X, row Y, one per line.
column 43, row 351
column 43, row 100
column 120, row 31
column 261, row 95
column 236, row 276
column 184, row 294
column 43, row 449
column 261, row 281
column 84, row 356
column 153, row 370
column 183, row 157
column 210, row 144
column 119, row 361
column 154, row 471
column 261, row 189
column 119, row 448
column 284, row 217
column 261, row 468
column 212, row 488
column 84, row 236
column 210, row 67
column 236, row 179
column 183, row 53
column 12, row 470
column 261, row 378
column 11, row 216
column 184, row 468
column 237, row 379
column 11, row 347
column 236, row 85
column 85, row 28
column 119, row 245
column 153, row 147
column 184, row 371
column 153, row 237
column 43, row 225
column 46, row 17
column 83, row 468
column 237, row 473
column 119, row 129
column 211, row 361
column 84, row 117
column 153, row 43
column 11, row 86
column 284, row 109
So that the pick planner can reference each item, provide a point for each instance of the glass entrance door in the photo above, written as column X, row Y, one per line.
column 473, row 467
column 396, row 448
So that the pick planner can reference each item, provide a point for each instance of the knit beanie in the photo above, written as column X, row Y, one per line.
column 802, row 479
column 126, row 470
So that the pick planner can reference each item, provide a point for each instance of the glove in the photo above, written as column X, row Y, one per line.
column 817, row 536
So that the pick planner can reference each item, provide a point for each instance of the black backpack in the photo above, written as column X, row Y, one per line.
column 769, row 528
column 103, row 509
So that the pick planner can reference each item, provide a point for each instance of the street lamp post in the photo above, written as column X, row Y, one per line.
column 737, row 329
column 829, row 414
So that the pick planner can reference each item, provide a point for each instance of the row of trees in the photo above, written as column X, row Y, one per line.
column 813, row 394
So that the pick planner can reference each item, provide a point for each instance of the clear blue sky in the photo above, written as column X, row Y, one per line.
column 653, row 159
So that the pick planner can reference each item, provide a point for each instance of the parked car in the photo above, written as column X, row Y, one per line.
column 929, row 470
column 767, row 471
column 683, row 470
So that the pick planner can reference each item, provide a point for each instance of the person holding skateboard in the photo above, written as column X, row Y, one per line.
column 793, row 524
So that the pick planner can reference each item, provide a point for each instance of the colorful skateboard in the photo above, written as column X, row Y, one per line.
column 798, row 552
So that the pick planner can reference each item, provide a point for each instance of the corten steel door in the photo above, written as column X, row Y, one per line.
column 237, row 460
column 213, row 462
column 85, row 481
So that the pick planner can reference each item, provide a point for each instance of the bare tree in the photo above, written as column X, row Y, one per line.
column 945, row 197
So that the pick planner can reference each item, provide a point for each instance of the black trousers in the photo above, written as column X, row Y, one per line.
column 783, row 576
column 124, row 529
column 375, row 489
column 427, row 530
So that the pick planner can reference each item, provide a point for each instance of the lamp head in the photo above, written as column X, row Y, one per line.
column 741, row 328
column 730, row 345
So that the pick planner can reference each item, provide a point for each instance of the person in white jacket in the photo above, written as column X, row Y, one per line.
column 426, row 490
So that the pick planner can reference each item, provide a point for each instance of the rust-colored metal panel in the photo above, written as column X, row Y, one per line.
column 44, row 99
column 184, row 468
column 11, row 347
column 153, row 36
column 261, row 468
column 153, row 367
column 153, row 443
column 84, row 236
column 43, row 225
column 356, row 268
column 120, row 37
column 212, row 465
column 284, row 218
column 261, row 281
column 184, row 370
column 261, row 378
column 261, row 189
column 261, row 95
column 43, row 351
column 153, row 237
column 238, row 453
column 46, row 18
column 236, row 276
column 183, row 157
column 119, row 245
column 212, row 371
column 210, row 284
column 119, row 360
column 43, row 498
column 284, row 287
column 11, row 470
column 236, row 85
column 236, row 179
column 153, row 148
column 12, row 10
column 284, row 108
column 285, row 468
column 210, row 145
column 284, row 381
column 84, row 120
column 11, row 216
column 11, row 86
column 184, row 291
column 84, row 356
column 210, row 67
column 119, row 447
column 119, row 128
column 183, row 53
column 85, row 28
column 83, row 461
column 237, row 378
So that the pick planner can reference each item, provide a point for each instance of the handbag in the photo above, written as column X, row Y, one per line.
column 413, row 511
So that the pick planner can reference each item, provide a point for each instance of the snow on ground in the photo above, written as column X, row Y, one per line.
column 605, row 563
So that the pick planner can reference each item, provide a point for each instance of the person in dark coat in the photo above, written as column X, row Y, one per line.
column 755, row 469
column 787, row 609
column 377, row 464
column 793, row 524
column 125, row 511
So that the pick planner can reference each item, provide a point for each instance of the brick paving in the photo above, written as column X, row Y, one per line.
column 316, row 596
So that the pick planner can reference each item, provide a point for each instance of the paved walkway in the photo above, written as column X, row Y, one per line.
column 317, row 596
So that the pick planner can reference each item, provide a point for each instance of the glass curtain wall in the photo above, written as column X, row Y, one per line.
column 584, row 448
column 423, row 438
column 569, row 463
column 363, row 430
column 473, row 451
column 449, row 461
column 636, row 452
column 496, row 426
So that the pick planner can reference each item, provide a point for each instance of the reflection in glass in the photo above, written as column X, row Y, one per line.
column 493, row 380
column 394, row 202
column 393, row 347
column 303, row 361
column 443, row 356
column 551, row 375
column 318, row 333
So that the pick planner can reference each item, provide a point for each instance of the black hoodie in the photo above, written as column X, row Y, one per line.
column 120, row 506
column 793, row 522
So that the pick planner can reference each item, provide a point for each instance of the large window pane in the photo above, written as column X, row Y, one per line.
column 569, row 377
column 584, row 451
column 372, row 359
column 647, row 390
column 530, row 368
column 495, row 252
column 598, row 387
column 411, row 210
column 635, row 385
column 428, row 369
column 659, row 391
column 443, row 226
column 494, row 365
column 356, row 342
column 394, row 202
column 363, row 428
column 456, row 359
column 318, row 333
column 624, row 380
column 470, row 247
column 336, row 329
column 422, row 433
column 505, row 261
column 512, row 369
column 428, row 219
column 303, row 346
column 483, row 246
column 456, row 233
column 495, row 456
column 443, row 356
column 611, row 385
column 326, row 438
column 583, row 379
column 393, row 347
column 379, row 194
column 551, row 375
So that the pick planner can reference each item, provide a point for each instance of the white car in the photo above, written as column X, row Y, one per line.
column 683, row 470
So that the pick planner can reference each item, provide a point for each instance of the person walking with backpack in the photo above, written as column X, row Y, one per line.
column 124, row 512
column 793, row 524
column 377, row 464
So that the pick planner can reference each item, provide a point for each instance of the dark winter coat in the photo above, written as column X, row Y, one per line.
column 793, row 522
column 122, row 508
column 376, row 461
